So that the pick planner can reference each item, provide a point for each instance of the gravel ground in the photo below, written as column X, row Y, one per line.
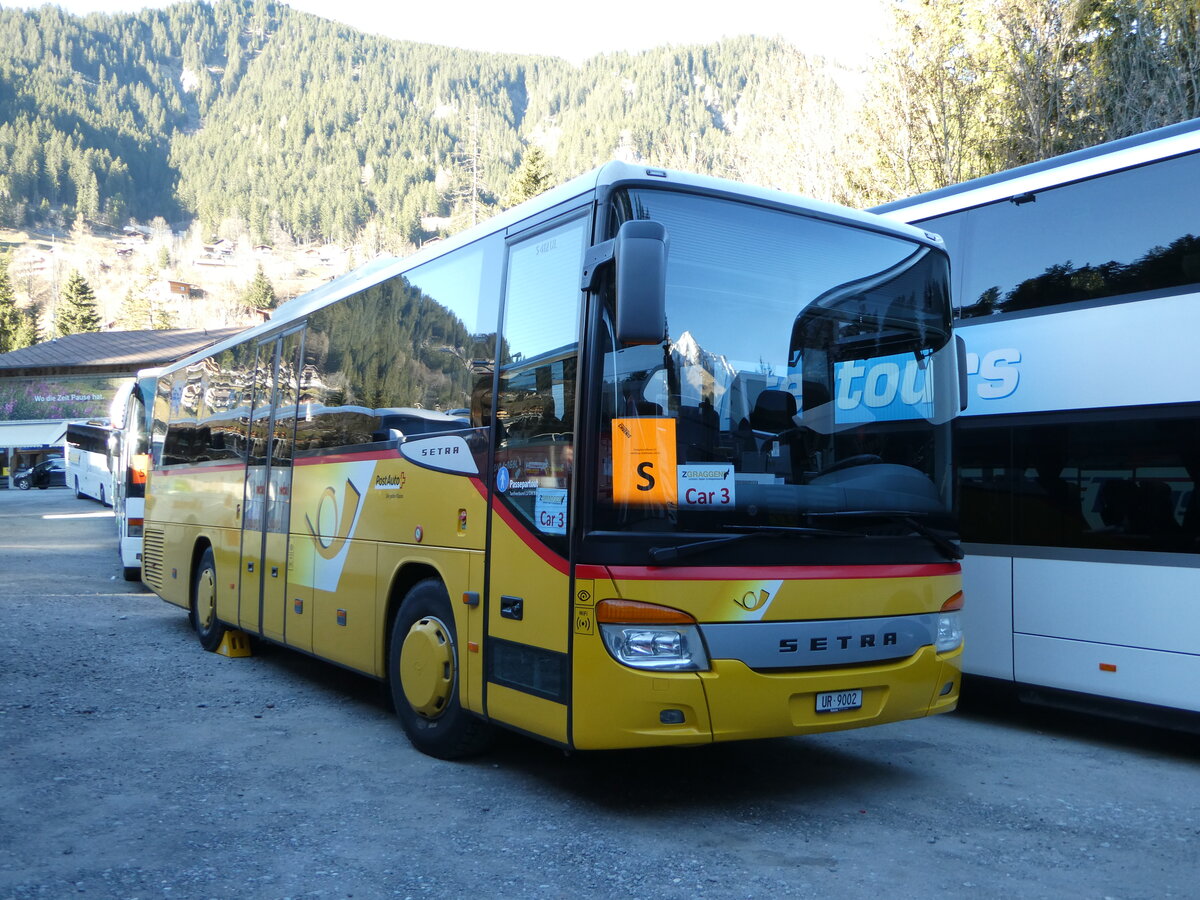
column 135, row 765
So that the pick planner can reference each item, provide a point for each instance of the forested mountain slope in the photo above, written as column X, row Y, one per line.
column 293, row 126
column 250, row 109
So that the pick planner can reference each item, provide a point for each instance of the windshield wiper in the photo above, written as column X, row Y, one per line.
column 948, row 548
column 666, row 554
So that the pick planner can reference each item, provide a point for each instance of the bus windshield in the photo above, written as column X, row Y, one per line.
column 807, row 377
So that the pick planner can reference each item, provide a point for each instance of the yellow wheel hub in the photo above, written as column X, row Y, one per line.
column 427, row 667
column 206, row 599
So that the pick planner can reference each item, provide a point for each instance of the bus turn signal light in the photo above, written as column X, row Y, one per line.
column 635, row 612
column 955, row 602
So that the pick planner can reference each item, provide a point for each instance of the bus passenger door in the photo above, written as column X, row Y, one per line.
column 267, row 501
column 526, row 650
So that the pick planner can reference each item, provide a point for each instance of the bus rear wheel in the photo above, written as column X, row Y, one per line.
column 423, row 676
column 78, row 492
column 204, row 604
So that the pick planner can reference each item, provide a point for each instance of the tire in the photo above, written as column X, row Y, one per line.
column 132, row 573
column 23, row 485
column 103, row 502
column 204, row 604
column 423, row 676
column 78, row 492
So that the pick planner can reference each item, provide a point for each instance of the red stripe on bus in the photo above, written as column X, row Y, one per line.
column 718, row 573
column 764, row 573
column 520, row 530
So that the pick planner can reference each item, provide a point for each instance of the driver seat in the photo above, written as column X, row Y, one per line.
column 773, row 413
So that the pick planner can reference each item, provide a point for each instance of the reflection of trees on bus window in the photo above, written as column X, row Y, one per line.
column 1127, row 232
column 390, row 348
column 535, row 408
column 209, row 408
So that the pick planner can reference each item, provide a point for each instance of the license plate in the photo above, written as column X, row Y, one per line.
column 839, row 701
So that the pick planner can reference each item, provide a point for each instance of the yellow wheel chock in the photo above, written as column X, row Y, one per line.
column 235, row 644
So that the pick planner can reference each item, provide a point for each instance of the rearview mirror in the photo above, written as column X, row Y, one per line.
column 640, row 254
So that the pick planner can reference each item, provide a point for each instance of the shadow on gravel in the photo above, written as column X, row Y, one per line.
column 326, row 678
column 794, row 769
column 1114, row 725
column 733, row 775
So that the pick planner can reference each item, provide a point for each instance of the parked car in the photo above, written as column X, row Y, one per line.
column 45, row 474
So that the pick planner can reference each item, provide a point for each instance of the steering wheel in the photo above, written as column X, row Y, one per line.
column 862, row 459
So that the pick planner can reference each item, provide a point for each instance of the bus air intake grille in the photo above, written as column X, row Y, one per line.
column 153, row 553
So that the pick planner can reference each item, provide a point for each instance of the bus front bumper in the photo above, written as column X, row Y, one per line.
column 631, row 708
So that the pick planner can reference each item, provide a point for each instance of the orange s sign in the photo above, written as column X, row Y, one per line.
column 644, row 461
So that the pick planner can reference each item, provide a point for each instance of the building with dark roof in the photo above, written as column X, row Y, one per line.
column 74, row 379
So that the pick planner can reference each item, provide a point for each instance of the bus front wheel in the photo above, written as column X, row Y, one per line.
column 204, row 604
column 423, row 676
column 78, row 492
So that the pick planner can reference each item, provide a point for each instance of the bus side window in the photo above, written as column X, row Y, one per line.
column 538, row 371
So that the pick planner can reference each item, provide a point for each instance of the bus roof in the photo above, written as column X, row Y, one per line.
column 610, row 175
column 1125, row 153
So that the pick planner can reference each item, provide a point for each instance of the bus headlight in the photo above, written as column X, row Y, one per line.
column 649, row 636
column 949, row 626
column 677, row 649
column 949, row 632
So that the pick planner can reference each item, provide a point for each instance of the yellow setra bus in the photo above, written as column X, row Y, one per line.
column 653, row 459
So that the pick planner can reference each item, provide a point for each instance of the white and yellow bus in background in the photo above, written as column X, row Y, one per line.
column 88, row 452
column 1079, row 451
column 130, row 417
column 653, row 459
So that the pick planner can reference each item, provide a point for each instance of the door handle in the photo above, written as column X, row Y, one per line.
column 512, row 608
column 250, row 567
column 274, row 571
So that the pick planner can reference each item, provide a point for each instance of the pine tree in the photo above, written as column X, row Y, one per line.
column 26, row 332
column 135, row 311
column 9, row 314
column 76, row 312
column 261, row 293
column 530, row 179
column 161, row 317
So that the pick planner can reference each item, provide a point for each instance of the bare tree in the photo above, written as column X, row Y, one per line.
column 467, row 189
column 798, row 130
column 1140, row 65
column 926, row 113
column 1038, row 107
